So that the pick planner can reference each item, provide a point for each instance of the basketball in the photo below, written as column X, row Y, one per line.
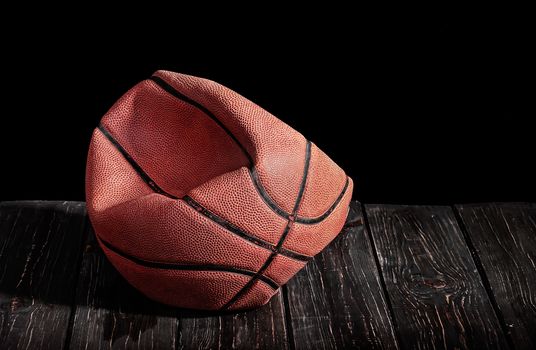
column 202, row 199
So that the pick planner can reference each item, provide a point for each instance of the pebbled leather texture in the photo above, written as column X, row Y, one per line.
column 277, row 149
column 168, row 286
column 200, row 149
column 202, row 199
column 283, row 268
column 258, row 295
column 320, row 234
column 324, row 178
column 233, row 196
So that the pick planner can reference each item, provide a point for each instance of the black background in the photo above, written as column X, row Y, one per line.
column 441, row 107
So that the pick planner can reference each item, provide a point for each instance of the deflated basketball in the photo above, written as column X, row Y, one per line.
column 202, row 199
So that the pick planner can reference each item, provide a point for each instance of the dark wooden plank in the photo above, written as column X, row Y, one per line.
column 40, row 247
column 504, row 239
column 263, row 328
column 337, row 301
column 112, row 314
column 436, row 293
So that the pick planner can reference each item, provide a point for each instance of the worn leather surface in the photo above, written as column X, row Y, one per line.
column 204, row 177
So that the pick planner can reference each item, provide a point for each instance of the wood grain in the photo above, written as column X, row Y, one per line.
column 434, row 287
column 337, row 300
column 443, row 287
column 263, row 328
column 40, row 245
column 504, row 236
column 112, row 314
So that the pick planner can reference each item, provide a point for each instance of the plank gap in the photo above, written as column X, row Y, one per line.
column 288, row 319
column 110, row 313
column 40, row 244
column 483, row 276
column 437, row 295
column 336, row 301
column 504, row 237
column 85, row 232
column 380, row 274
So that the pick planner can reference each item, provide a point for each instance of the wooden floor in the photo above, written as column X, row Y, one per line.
column 397, row 277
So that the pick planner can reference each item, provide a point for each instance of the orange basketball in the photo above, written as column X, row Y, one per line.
column 202, row 199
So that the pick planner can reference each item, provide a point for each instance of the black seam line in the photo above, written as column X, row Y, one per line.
column 299, row 198
column 304, row 177
column 283, row 237
column 292, row 254
column 257, row 276
column 253, row 173
column 264, row 195
column 186, row 267
column 483, row 276
column 310, row 221
column 174, row 92
column 299, row 219
column 198, row 207
column 236, row 230
column 145, row 177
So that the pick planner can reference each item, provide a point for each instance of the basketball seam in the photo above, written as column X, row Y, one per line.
column 256, row 181
column 184, row 267
column 265, row 196
column 174, row 92
column 235, row 229
column 198, row 207
column 310, row 221
column 305, row 173
column 283, row 237
column 299, row 219
column 144, row 176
